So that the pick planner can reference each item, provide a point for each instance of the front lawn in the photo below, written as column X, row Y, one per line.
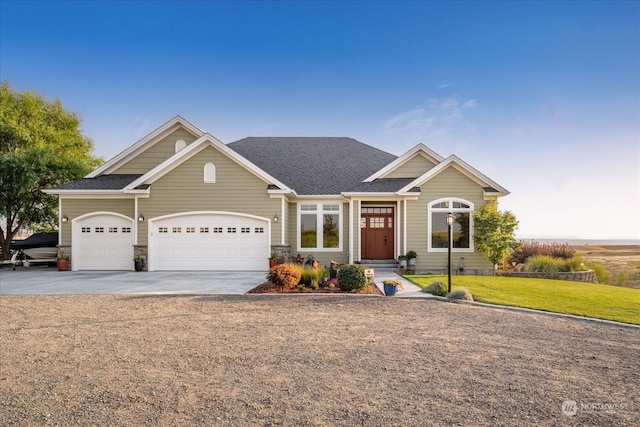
column 559, row 296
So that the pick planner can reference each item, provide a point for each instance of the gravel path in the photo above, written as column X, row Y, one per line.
column 334, row 360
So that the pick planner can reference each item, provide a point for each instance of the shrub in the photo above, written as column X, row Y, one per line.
column 285, row 276
column 459, row 294
column 436, row 288
column 351, row 277
column 602, row 275
column 545, row 264
column 533, row 248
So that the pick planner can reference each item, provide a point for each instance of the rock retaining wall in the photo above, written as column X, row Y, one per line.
column 574, row 276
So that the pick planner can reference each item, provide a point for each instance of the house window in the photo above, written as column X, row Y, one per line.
column 462, row 229
column 320, row 226
column 180, row 145
column 209, row 173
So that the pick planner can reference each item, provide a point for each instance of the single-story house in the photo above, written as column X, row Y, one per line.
column 183, row 200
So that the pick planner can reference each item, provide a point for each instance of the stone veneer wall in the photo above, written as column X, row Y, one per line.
column 283, row 252
column 574, row 276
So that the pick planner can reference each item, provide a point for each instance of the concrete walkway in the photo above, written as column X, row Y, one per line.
column 409, row 290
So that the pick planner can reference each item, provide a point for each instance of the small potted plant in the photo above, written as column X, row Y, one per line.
column 402, row 260
column 391, row 286
column 62, row 261
column 138, row 262
column 273, row 260
column 412, row 255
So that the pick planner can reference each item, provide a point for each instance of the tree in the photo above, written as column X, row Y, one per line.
column 495, row 232
column 40, row 147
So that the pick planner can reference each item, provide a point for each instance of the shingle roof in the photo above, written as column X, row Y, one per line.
column 317, row 165
column 102, row 182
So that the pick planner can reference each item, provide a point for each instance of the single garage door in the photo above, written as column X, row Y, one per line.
column 103, row 242
column 219, row 241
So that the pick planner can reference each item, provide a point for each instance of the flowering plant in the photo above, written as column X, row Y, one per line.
column 393, row 282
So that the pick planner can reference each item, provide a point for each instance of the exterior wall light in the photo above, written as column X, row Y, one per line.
column 275, row 218
column 140, row 217
column 65, row 218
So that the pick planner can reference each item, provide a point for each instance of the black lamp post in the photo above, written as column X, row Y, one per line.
column 450, row 218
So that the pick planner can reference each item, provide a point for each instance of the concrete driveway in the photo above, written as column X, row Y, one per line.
column 49, row 281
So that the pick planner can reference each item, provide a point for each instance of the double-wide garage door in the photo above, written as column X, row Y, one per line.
column 103, row 241
column 208, row 241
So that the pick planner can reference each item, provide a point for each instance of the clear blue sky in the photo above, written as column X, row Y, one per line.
column 543, row 97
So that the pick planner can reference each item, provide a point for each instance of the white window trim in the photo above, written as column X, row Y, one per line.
column 320, row 221
column 468, row 210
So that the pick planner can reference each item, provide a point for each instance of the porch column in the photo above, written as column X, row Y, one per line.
column 351, row 238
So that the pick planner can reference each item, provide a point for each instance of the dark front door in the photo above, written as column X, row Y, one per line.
column 377, row 232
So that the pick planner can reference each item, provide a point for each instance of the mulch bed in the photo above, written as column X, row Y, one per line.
column 269, row 288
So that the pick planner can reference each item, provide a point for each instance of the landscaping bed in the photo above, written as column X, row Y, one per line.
column 269, row 288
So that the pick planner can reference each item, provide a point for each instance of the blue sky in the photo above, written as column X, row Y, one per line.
column 543, row 97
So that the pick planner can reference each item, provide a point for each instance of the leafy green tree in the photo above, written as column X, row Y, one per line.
column 494, row 233
column 41, row 146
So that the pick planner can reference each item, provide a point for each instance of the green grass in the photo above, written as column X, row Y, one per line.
column 559, row 296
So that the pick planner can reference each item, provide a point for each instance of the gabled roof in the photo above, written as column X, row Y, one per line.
column 195, row 147
column 126, row 155
column 314, row 165
column 419, row 149
column 463, row 167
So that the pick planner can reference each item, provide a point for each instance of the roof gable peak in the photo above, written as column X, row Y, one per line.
column 145, row 142
column 418, row 150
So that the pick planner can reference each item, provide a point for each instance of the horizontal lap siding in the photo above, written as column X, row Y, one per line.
column 156, row 154
column 449, row 183
column 74, row 208
column 413, row 168
column 235, row 190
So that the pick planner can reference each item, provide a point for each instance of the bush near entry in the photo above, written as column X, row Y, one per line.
column 351, row 277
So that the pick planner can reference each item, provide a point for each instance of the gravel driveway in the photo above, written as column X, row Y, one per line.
column 291, row 360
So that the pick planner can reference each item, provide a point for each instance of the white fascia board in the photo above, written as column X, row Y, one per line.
column 192, row 149
column 420, row 148
column 381, row 196
column 95, row 194
column 134, row 149
column 463, row 167
column 319, row 196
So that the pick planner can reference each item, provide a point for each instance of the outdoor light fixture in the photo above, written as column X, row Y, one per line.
column 140, row 217
column 275, row 218
column 65, row 218
column 450, row 219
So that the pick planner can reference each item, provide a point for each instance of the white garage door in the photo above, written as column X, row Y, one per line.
column 209, row 241
column 103, row 242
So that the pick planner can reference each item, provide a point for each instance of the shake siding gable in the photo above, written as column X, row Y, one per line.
column 74, row 208
column 449, row 183
column 155, row 154
column 413, row 168
column 235, row 190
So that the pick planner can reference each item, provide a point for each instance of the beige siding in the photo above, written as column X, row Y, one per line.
column 449, row 183
column 74, row 208
column 156, row 154
column 413, row 168
column 235, row 190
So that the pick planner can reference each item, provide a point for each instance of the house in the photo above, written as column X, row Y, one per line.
column 183, row 200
